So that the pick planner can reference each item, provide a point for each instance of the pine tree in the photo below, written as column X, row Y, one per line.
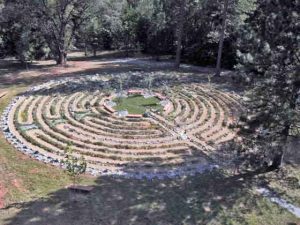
column 269, row 53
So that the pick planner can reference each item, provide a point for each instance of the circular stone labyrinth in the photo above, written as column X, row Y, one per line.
column 177, row 139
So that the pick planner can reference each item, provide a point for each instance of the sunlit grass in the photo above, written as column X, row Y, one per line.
column 137, row 104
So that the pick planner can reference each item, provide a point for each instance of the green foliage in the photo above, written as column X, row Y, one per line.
column 129, row 22
column 32, row 29
column 137, row 104
column 203, row 33
column 37, row 29
column 74, row 165
column 19, row 35
column 269, row 60
column 155, row 34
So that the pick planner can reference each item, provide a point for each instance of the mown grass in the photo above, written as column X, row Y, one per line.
column 137, row 104
column 287, row 185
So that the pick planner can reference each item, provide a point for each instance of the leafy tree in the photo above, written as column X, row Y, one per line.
column 239, row 8
column 203, row 28
column 155, row 32
column 74, row 165
column 19, row 34
column 269, row 53
column 58, row 20
column 108, row 15
column 129, row 20
column 191, row 28
column 92, row 34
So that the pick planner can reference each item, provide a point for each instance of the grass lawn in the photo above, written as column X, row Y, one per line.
column 137, row 104
column 204, row 199
column 287, row 186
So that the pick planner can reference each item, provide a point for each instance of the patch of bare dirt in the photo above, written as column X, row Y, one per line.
column 40, row 71
column 3, row 192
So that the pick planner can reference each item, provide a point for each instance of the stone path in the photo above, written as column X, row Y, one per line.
column 279, row 201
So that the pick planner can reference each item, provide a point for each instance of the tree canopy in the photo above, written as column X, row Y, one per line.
column 269, row 53
column 33, row 29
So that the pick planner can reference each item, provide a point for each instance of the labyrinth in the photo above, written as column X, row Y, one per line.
column 194, row 120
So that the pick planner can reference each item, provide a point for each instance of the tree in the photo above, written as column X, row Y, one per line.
column 180, row 24
column 129, row 20
column 204, row 26
column 54, row 20
column 154, row 27
column 58, row 22
column 74, row 165
column 19, row 33
column 221, row 42
column 269, row 54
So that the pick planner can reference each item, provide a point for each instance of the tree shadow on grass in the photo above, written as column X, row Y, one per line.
column 202, row 199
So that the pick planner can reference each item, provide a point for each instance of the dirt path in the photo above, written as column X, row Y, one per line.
column 40, row 71
column 12, row 73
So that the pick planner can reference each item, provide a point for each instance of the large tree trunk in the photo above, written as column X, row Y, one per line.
column 278, row 157
column 221, row 41
column 180, row 33
column 62, row 58
column 277, row 160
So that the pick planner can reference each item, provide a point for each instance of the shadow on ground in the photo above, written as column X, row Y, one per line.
column 203, row 199
column 12, row 73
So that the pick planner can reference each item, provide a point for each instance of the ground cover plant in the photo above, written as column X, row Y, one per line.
column 137, row 104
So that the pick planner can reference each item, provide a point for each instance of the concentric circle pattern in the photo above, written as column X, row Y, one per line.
column 177, row 141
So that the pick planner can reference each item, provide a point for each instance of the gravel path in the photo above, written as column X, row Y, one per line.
column 279, row 201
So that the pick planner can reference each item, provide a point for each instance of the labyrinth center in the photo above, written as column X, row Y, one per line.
column 175, row 136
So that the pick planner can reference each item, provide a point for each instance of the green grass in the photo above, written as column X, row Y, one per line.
column 137, row 104
column 288, row 186
column 204, row 199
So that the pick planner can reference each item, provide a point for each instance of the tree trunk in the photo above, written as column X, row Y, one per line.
column 85, row 49
column 126, row 45
column 277, row 160
column 278, row 157
column 62, row 58
column 180, row 33
column 221, row 41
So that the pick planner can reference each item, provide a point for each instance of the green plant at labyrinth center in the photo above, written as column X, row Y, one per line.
column 137, row 104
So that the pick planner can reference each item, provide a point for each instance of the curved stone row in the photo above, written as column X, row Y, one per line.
column 46, row 119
